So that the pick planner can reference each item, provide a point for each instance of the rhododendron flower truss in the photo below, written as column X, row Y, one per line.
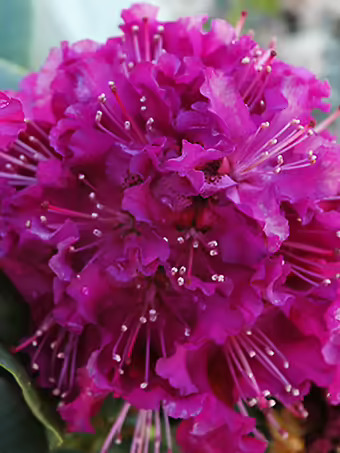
column 170, row 212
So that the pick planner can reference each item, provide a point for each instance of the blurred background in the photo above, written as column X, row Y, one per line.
column 308, row 31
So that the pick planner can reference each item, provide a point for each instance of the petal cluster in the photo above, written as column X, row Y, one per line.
column 170, row 210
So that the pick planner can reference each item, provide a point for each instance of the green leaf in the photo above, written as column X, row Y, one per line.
column 20, row 432
column 41, row 411
column 66, row 450
column 10, row 75
column 13, row 313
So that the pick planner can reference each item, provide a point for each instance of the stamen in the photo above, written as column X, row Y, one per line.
column 117, row 426
column 147, row 44
column 147, row 361
column 167, row 430
column 328, row 121
column 240, row 24
column 136, row 129
column 135, row 41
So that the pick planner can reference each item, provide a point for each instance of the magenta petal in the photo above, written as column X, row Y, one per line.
column 11, row 119
column 227, row 104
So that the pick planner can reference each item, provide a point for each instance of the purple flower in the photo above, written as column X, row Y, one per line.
column 169, row 210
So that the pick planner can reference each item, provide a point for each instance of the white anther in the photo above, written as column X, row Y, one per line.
column 280, row 159
column 270, row 352
column 149, row 123
column 153, row 315
column 272, row 403
column 182, row 270
column 117, row 358
column 97, row 233
column 180, row 281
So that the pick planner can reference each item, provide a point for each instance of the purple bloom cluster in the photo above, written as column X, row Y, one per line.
column 170, row 210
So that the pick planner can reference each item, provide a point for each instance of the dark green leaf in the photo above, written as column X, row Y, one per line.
column 13, row 313
column 20, row 432
column 41, row 411
column 66, row 450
